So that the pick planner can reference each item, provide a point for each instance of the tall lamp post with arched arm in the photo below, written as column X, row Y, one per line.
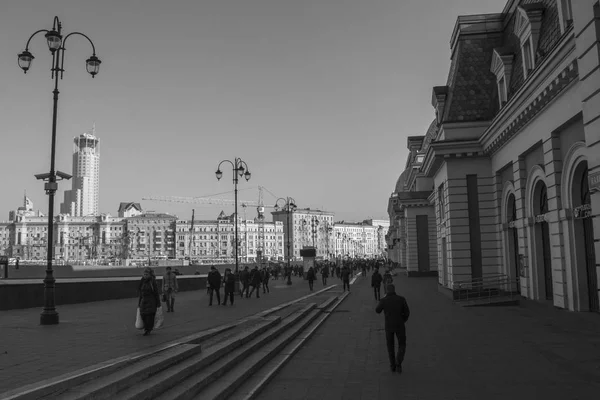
column 240, row 168
column 56, row 44
column 289, row 207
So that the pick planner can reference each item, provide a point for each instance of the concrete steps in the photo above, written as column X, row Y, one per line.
column 211, row 365
column 251, row 387
column 140, row 379
column 221, row 378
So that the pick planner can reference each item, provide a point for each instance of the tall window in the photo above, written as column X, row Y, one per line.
column 502, row 91
column 565, row 14
column 527, row 57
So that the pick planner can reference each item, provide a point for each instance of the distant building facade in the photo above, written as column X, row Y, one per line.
column 512, row 159
column 383, row 227
column 75, row 238
column 151, row 235
column 356, row 240
column 83, row 198
column 213, row 241
column 307, row 228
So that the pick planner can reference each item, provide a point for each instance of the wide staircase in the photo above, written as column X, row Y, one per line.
column 234, row 362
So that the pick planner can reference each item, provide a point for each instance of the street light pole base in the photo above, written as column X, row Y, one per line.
column 49, row 318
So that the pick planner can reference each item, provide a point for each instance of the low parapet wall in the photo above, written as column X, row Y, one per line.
column 27, row 293
column 88, row 271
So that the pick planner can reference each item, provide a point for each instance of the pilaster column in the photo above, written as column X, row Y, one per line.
column 586, row 21
column 523, row 230
column 553, row 168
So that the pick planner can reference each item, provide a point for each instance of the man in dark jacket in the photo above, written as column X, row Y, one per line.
column 255, row 281
column 311, row 276
column 245, row 281
column 346, row 277
column 229, row 284
column 376, row 280
column 396, row 311
column 325, row 274
column 214, row 284
column 264, row 276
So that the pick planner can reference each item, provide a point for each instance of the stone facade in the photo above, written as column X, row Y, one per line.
column 516, row 191
column 213, row 240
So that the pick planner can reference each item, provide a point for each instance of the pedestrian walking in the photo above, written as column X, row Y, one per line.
column 387, row 279
column 229, row 286
column 214, row 285
column 245, row 281
column 376, row 280
column 324, row 274
column 396, row 311
column 148, row 299
column 345, row 275
column 255, row 281
column 310, row 276
column 169, row 288
column 265, row 275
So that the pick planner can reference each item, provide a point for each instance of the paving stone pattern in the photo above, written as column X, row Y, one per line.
column 531, row 351
column 90, row 333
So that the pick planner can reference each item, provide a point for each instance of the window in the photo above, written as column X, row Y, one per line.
column 502, row 91
column 527, row 53
column 565, row 14
column 527, row 27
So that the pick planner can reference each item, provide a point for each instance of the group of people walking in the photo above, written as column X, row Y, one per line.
column 250, row 281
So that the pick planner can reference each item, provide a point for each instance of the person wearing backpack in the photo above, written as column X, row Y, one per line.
column 229, row 286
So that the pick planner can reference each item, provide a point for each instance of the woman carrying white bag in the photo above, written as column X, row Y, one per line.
column 149, row 312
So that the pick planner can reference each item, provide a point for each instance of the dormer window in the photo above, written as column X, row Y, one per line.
column 565, row 14
column 527, row 28
column 502, row 64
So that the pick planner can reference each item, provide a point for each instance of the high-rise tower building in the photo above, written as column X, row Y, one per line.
column 82, row 199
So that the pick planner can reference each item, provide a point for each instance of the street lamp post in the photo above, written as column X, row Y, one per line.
column 56, row 44
column 289, row 207
column 240, row 168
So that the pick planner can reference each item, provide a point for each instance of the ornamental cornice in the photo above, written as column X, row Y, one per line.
column 517, row 112
column 564, row 79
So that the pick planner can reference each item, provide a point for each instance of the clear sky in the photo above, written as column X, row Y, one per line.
column 317, row 96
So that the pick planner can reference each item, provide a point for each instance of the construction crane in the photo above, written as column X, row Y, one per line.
column 199, row 200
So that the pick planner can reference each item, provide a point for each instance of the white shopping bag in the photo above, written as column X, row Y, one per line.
column 139, row 324
column 159, row 319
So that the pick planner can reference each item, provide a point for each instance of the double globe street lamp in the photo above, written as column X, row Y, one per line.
column 56, row 44
column 240, row 168
column 289, row 207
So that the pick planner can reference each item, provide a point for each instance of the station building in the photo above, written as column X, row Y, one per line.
column 509, row 170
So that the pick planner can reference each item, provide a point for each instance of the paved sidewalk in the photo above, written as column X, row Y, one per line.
column 522, row 352
column 90, row 333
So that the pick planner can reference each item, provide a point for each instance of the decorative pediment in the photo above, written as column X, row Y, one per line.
column 529, row 22
column 438, row 101
column 502, row 62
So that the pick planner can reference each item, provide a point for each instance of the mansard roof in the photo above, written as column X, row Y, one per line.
column 401, row 181
column 431, row 134
column 472, row 86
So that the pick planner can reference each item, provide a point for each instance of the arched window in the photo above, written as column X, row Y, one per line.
column 543, row 200
column 585, row 188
